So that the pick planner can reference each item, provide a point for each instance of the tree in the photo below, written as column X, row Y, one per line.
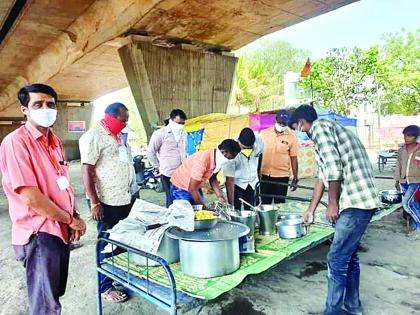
column 385, row 76
column 401, row 60
column 259, row 74
column 345, row 79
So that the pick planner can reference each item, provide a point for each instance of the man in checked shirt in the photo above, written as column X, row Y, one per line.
column 346, row 172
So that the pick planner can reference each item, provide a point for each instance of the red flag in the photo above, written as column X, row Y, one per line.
column 306, row 69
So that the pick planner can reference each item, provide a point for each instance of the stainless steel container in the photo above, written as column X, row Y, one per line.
column 291, row 226
column 267, row 215
column 209, row 259
column 206, row 224
column 268, row 207
column 247, row 242
column 168, row 250
column 210, row 253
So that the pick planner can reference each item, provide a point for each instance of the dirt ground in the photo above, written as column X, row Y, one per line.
column 390, row 282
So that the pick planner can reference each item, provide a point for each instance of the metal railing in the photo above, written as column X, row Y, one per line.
column 169, row 305
column 286, row 197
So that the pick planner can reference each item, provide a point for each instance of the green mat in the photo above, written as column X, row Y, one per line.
column 270, row 250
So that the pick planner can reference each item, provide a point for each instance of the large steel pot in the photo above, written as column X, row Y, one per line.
column 391, row 196
column 209, row 259
column 168, row 250
column 291, row 226
column 211, row 253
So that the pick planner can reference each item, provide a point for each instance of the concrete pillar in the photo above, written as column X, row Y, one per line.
column 7, row 127
column 75, row 114
column 162, row 79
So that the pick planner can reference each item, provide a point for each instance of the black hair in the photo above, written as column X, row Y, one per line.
column 23, row 94
column 412, row 131
column 230, row 146
column 177, row 113
column 306, row 112
column 247, row 137
column 114, row 109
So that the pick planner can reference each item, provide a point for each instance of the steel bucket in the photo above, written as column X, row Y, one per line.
column 247, row 242
column 268, row 219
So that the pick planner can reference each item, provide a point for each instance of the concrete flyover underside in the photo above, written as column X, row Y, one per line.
column 73, row 45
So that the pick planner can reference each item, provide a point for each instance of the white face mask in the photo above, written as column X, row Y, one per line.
column 299, row 127
column 44, row 117
column 220, row 160
column 279, row 127
column 176, row 129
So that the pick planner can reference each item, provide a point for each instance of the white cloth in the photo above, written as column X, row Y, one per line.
column 132, row 230
column 44, row 117
column 176, row 129
column 279, row 127
column 243, row 169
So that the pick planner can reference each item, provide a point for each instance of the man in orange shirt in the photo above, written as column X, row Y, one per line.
column 41, row 200
column 281, row 148
column 199, row 168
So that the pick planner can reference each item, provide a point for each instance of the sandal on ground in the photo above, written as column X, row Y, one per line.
column 113, row 295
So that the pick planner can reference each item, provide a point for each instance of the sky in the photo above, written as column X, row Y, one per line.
column 358, row 24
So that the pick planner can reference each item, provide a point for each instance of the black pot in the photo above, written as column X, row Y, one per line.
column 391, row 196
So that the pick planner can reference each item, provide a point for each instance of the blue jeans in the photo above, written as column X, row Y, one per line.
column 410, row 203
column 180, row 194
column 343, row 262
column 46, row 260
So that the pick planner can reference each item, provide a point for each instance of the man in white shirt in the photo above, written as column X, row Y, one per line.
column 242, row 172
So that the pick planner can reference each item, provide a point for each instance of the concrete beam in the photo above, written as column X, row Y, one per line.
column 104, row 21
column 162, row 79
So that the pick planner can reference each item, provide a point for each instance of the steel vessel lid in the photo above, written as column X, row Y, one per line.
column 223, row 231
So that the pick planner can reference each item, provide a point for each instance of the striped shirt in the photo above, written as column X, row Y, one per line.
column 164, row 152
column 342, row 157
column 199, row 166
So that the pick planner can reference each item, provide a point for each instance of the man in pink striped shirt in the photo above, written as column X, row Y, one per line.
column 166, row 149
column 41, row 201
column 199, row 168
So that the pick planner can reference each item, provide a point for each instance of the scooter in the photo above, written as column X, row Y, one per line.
column 145, row 176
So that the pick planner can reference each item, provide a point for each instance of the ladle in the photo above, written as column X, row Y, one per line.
column 254, row 208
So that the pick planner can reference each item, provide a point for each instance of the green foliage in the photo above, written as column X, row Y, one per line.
column 401, row 83
column 387, row 77
column 259, row 74
column 344, row 79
